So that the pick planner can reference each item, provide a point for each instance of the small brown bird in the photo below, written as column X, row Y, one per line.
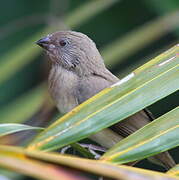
column 78, row 72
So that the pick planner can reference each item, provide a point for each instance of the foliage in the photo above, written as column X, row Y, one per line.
column 147, row 85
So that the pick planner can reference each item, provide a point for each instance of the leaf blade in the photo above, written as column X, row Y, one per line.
column 156, row 137
column 10, row 128
column 18, row 162
column 92, row 166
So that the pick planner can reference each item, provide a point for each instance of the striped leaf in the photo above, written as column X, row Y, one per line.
column 20, row 160
column 10, row 128
column 158, row 136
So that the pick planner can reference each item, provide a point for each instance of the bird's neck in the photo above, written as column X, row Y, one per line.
column 62, row 85
column 58, row 74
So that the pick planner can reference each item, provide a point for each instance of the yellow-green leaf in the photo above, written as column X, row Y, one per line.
column 157, row 136
column 10, row 128
column 18, row 162
column 92, row 166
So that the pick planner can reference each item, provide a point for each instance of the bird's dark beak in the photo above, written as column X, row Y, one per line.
column 44, row 42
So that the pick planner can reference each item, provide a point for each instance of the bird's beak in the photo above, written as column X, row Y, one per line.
column 44, row 42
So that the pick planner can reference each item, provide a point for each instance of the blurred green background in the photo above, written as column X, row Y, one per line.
column 128, row 34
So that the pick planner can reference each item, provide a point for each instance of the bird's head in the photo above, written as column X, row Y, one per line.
column 72, row 50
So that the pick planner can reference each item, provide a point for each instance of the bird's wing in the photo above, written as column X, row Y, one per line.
column 131, row 124
column 91, row 85
column 97, row 81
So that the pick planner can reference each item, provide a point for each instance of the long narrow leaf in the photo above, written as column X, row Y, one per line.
column 93, row 166
column 10, row 128
column 156, row 137
column 17, row 162
column 133, row 93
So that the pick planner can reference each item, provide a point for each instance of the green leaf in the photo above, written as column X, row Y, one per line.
column 156, row 137
column 136, row 91
column 16, row 155
column 10, row 128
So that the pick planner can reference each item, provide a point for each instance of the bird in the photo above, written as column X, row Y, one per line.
column 78, row 72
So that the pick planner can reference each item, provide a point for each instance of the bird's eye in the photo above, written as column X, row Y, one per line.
column 63, row 43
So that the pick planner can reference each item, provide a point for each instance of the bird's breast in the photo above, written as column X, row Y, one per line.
column 62, row 87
